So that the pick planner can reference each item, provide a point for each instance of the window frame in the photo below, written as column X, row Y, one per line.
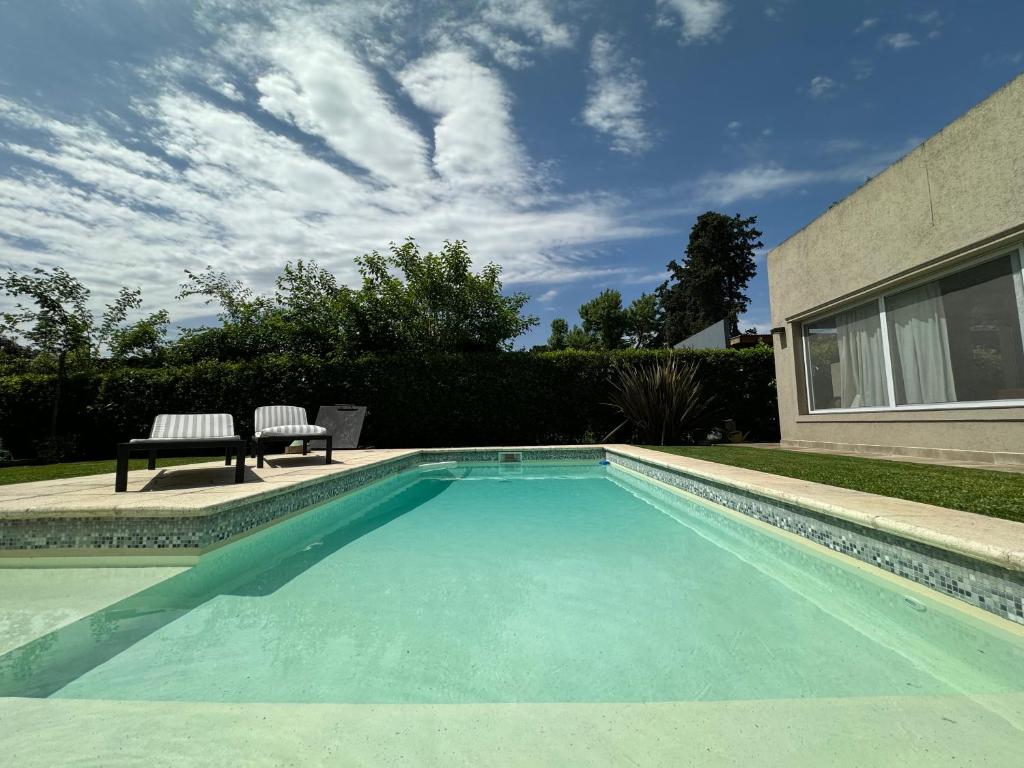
column 1016, row 255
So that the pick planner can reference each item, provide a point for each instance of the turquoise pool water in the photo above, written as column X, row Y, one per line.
column 540, row 583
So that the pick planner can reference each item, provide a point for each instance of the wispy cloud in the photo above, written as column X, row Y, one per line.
column 757, row 181
column 865, row 25
column 319, row 86
column 615, row 98
column 512, row 31
column 321, row 163
column 821, row 86
column 932, row 21
column 700, row 20
column 475, row 146
column 862, row 69
column 897, row 41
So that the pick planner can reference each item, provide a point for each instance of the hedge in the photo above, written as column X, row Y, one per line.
column 511, row 398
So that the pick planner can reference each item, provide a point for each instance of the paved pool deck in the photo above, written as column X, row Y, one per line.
column 180, row 490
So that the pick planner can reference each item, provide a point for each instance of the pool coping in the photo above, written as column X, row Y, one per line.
column 988, row 539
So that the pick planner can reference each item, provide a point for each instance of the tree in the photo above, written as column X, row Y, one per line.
column 604, row 319
column 57, row 322
column 559, row 332
column 643, row 322
column 315, row 307
column 309, row 313
column 434, row 301
column 709, row 285
column 144, row 341
column 577, row 338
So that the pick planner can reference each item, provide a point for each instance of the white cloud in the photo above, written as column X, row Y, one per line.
column 474, row 144
column 866, row 25
column 898, row 40
column 319, row 86
column 228, row 90
column 512, row 31
column 615, row 98
column 757, row 181
column 531, row 17
column 821, row 86
column 753, row 182
column 700, row 19
column 216, row 186
column 548, row 295
column 932, row 21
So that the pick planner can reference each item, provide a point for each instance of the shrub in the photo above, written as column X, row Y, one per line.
column 664, row 402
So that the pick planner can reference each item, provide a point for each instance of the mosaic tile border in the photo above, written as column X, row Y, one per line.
column 583, row 453
column 189, row 532
column 201, row 533
column 986, row 586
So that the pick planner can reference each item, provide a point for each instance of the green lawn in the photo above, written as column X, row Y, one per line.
column 26, row 474
column 997, row 494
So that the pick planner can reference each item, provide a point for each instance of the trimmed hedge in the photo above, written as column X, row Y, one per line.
column 511, row 398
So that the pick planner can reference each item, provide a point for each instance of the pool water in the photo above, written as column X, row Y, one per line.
column 537, row 583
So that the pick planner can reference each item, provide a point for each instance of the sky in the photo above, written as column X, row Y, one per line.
column 572, row 142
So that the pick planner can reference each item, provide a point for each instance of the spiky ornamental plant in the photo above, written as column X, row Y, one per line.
column 663, row 402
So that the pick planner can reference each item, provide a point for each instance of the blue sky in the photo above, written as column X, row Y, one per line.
column 572, row 142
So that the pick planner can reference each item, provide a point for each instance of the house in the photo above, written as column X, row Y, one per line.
column 899, row 312
column 716, row 336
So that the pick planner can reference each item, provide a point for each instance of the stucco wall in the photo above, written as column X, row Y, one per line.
column 954, row 198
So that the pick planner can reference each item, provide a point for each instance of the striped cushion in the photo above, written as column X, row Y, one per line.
column 293, row 429
column 279, row 416
column 192, row 426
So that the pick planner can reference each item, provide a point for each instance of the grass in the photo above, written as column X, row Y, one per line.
column 29, row 473
column 996, row 494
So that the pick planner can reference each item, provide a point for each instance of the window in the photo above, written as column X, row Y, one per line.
column 957, row 339
column 846, row 361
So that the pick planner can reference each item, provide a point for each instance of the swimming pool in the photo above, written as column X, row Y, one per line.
column 535, row 583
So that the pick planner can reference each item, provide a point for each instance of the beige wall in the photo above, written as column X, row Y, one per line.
column 954, row 198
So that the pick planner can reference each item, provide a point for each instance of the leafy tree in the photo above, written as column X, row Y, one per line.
column 308, row 313
column 604, row 318
column 56, row 322
column 559, row 332
column 144, row 341
column 434, row 301
column 315, row 307
column 643, row 322
column 251, row 325
column 577, row 338
column 709, row 285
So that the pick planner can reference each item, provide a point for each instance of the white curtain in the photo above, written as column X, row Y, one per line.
column 861, row 363
column 921, row 342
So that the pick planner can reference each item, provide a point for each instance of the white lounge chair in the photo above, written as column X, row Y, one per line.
column 284, row 423
column 184, row 430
